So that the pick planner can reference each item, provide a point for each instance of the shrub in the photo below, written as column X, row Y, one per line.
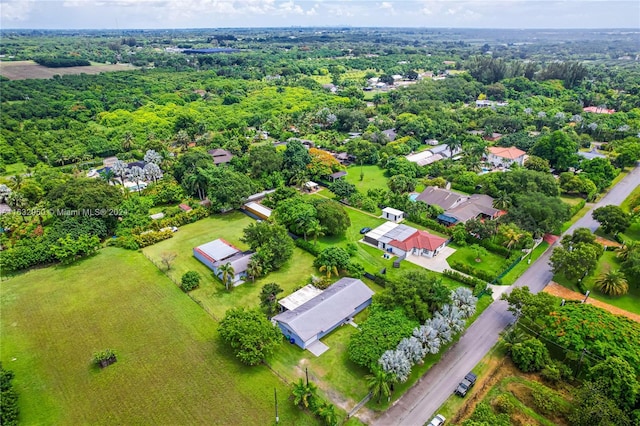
column 355, row 270
column 464, row 279
column 126, row 242
column 9, row 410
column 190, row 280
column 463, row 267
column 504, row 404
column 530, row 356
column 480, row 288
column 545, row 400
column 104, row 358
column 576, row 208
column 307, row 246
column 151, row 237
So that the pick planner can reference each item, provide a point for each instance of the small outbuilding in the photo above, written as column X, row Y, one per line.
column 337, row 175
column 393, row 215
column 337, row 305
column 217, row 253
column 258, row 210
column 311, row 186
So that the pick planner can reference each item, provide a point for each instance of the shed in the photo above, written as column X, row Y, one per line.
column 311, row 186
column 337, row 175
column 320, row 315
column 393, row 215
column 258, row 210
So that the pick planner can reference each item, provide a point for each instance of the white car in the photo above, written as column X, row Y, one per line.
column 438, row 420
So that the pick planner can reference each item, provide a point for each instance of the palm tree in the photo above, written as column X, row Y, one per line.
column 183, row 139
column 613, row 283
column 379, row 383
column 627, row 249
column 453, row 143
column 503, row 201
column 227, row 274
column 328, row 412
column 511, row 236
column 304, row 393
column 329, row 270
column 254, row 268
column 127, row 141
column 315, row 230
column 16, row 182
column 119, row 168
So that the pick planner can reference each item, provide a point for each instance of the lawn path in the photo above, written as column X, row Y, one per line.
column 563, row 292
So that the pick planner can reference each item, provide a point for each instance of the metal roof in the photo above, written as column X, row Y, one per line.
column 300, row 297
column 378, row 232
column 218, row 249
column 258, row 208
column 326, row 310
column 393, row 211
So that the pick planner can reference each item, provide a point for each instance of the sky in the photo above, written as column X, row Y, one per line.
column 147, row 14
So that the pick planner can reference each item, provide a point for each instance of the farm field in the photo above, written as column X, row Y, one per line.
column 23, row 70
column 171, row 364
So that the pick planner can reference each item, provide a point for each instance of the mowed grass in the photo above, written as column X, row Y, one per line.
column 629, row 302
column 172, row 367
column 212, row 294
column 374, row 178
column 523, row 265
column 490, row 262
column 14, row 169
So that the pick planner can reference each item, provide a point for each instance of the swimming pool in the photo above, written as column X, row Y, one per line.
column 413, row 196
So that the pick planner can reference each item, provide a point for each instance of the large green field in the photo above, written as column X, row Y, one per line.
column 374, row 178
column 212, row 294
column 172, row 367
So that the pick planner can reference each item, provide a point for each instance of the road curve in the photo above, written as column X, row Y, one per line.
column 419, row 404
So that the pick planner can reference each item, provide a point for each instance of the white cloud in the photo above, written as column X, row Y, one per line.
column 18, row 10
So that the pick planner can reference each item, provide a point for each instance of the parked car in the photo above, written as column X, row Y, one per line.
column 365, row 230
column 438, row 420
column 466, row 384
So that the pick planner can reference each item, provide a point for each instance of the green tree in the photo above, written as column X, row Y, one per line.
column 269, row 297
column 537, row 213
column 612, row 219
column 401, row 184
column 250, row 334
column 333, row 257
column 190, row 280
column 559, row 149
column 342, row 188
column 271, row 242
column 618, row 381
column 227, row 189
column 379, row 383
column 254, row 268
column 592, row 407
column 226, row 274
column 574, row 264
column 295, row 158
column 530, row 355
column 332, row 216
column 380, row 332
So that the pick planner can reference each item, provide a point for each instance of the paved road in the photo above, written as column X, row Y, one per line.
column 419, row 404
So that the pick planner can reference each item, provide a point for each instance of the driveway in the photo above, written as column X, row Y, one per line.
column 437, row 263
column 419, row 404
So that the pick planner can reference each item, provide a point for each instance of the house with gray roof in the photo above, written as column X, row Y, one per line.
column 219, row 252
column 309, row 322
column 434, row 196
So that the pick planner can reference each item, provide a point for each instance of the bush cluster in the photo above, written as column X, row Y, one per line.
column 190, row 280
column 152, row 237
column 308, row 246
column 465, row 279
column 483, row 275
column 9, row 410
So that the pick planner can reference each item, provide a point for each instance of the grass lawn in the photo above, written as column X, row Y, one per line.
column 625, row 204
column 171, row 369
column 491, row 263
column 374, row 178
column 211, row 294
column 629, row 302
column 332, row 367
column 521, row 267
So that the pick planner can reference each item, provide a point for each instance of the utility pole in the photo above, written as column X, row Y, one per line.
column 275, row 395
column 306, row 371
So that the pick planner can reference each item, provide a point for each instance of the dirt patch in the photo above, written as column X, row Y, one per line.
column 607, row 243
column 23, row 70
column 563, row 292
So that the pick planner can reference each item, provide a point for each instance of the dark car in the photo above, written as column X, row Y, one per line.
column 365, row 230
column 466, row 384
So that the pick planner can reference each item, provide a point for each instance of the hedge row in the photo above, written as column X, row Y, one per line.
column 464, row 279
column 463, row 267
column 575, row 209
column 152, row 237
column 308, row 246
column 435, row 225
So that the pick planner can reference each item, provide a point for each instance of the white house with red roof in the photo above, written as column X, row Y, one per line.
column 598, row 110
column 402, row 240
column 505, row 156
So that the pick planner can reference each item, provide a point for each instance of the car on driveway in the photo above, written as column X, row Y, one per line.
column 438, row 420
column 365, row 230
column 466, row 384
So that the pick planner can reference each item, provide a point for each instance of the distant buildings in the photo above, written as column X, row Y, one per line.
column 220, row 156
column 598, row 110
